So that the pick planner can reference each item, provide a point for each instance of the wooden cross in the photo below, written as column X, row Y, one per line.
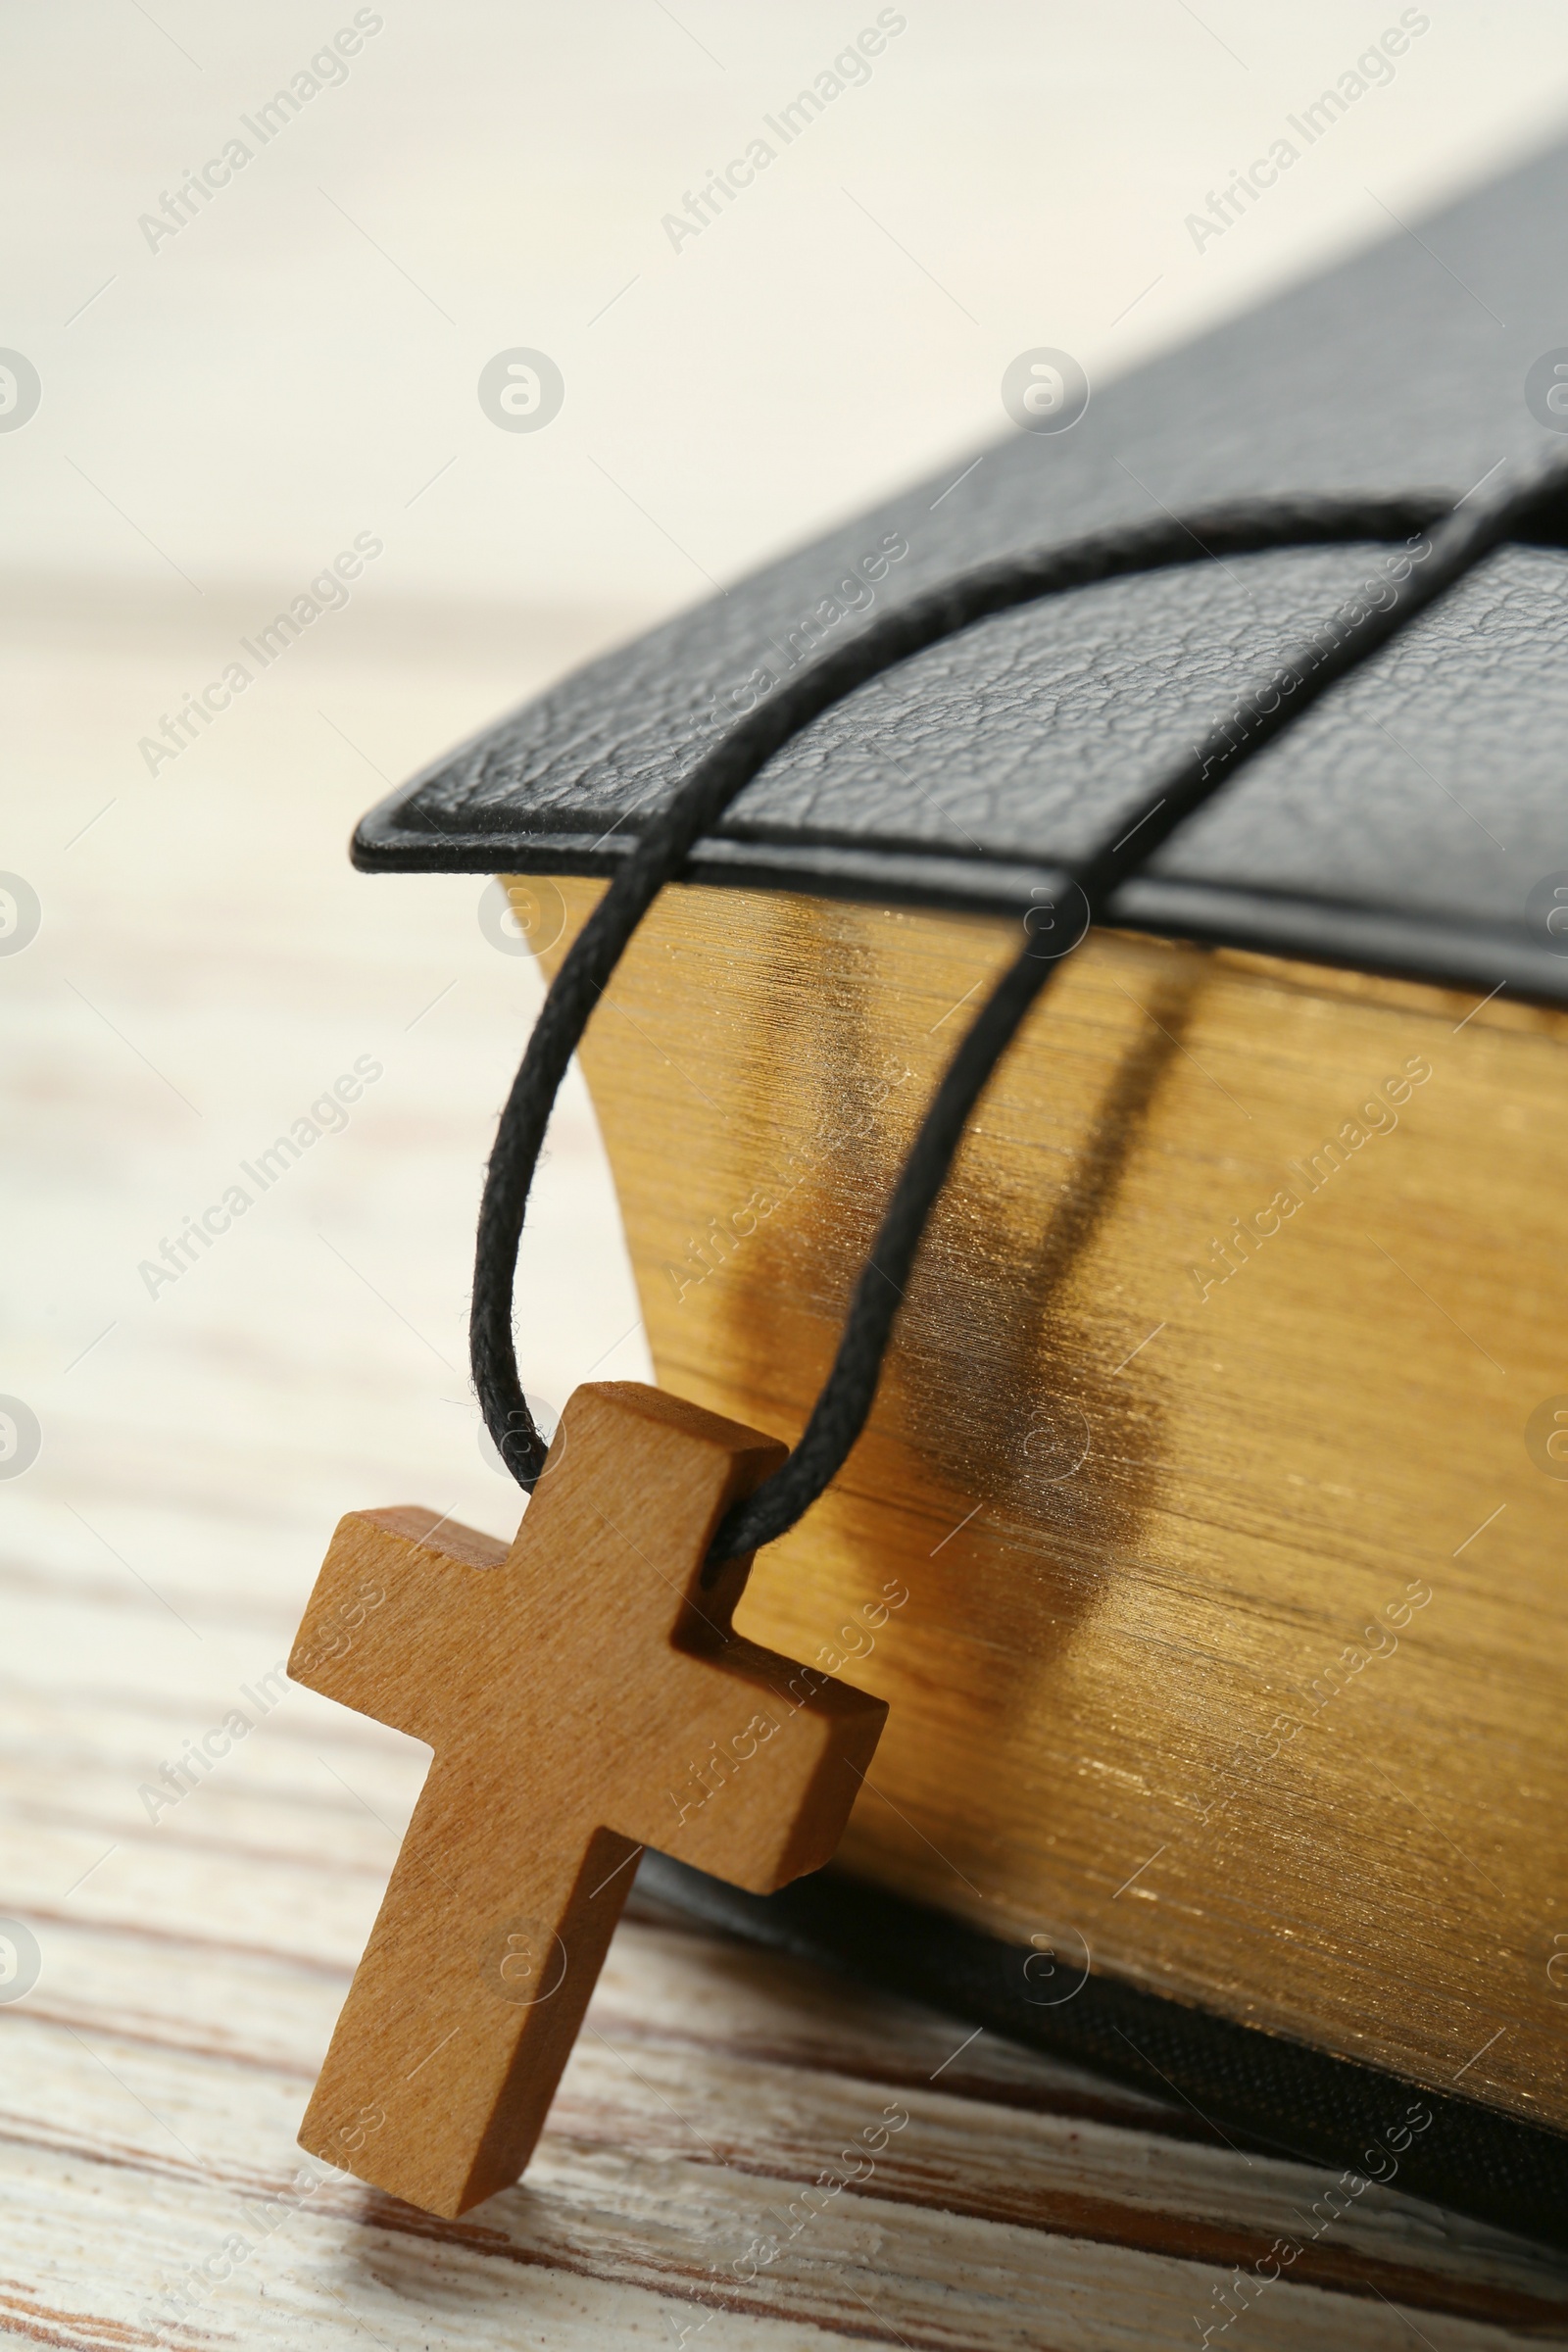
column 585, row 1697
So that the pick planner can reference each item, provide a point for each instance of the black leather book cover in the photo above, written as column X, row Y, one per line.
column 1401, row 827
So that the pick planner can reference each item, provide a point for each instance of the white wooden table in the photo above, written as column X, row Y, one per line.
column 207, row 966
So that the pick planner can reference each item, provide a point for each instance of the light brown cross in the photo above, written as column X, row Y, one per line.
column 585, row 1697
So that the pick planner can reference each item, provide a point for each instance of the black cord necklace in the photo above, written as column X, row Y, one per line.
column 1460, row 537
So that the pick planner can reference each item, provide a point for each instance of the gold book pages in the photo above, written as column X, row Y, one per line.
column 1205, row 1541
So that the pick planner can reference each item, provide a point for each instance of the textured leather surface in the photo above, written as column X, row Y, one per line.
column 1400, row 826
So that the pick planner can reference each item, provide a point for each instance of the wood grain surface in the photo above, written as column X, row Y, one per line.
column 688, row 2185
column 198, row 1449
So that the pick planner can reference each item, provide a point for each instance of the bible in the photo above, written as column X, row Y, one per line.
column 1207, row 1539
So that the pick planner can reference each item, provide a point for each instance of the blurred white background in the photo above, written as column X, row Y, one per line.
column 224, row 410
column 298, row 361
